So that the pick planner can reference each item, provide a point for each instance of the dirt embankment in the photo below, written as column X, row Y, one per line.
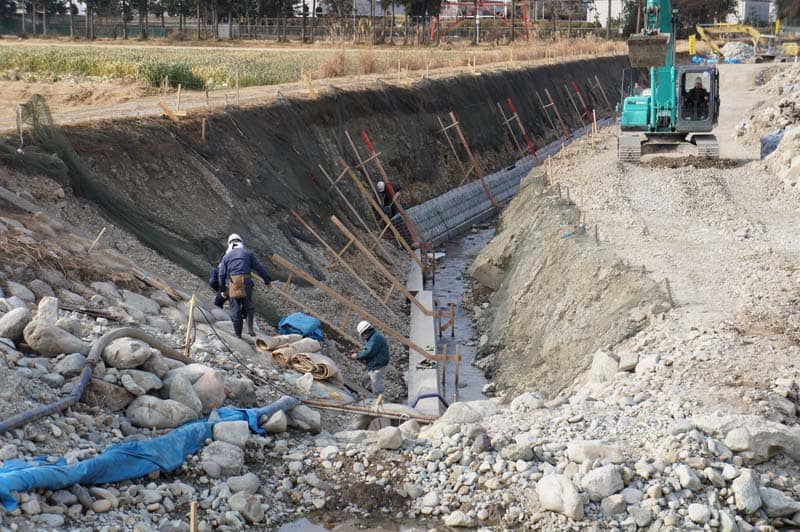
column 559, row 295
column 180, row 196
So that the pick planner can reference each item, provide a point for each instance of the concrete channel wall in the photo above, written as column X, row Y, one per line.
column 438, row 220
column 446, row 216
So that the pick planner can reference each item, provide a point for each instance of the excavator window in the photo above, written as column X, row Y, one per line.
column 696, row 95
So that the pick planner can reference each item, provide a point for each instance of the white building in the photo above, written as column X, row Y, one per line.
column 753, row 12
column 598, row 11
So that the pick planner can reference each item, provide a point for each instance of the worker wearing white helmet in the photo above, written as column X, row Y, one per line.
column 388, row 196
column 375, row 355
column 236, row 283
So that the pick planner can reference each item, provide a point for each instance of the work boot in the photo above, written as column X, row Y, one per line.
column 237, row 328
column 250, row 330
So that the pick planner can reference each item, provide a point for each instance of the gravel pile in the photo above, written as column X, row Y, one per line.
column 738, row 51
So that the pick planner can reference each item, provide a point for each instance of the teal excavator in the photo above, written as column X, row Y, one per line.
column 677, row 113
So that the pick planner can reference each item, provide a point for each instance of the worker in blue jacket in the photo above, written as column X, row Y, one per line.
column 236, row 283
column 375, row 355
column 213, row 282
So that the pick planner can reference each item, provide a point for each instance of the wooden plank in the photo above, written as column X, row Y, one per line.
column 475, row 165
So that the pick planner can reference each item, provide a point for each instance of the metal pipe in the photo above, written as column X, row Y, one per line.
column 77, row 391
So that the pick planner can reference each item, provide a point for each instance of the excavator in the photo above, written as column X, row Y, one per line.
column 679, row 110
column 765, row 47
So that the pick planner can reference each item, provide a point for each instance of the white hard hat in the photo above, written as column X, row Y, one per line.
column 381, row 186
column 363, row 326
column 234, row 237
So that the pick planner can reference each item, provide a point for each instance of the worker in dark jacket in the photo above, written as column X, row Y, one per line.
column 213, row 282
column 236, row 283
column 375, row 355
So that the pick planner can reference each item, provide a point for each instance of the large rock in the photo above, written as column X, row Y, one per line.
column 233, row 432
column 13, row 323
column 755, row 438
column 49, row 340
column 41, row 288
column 140, row 302
column 228, row 457
column 390, row 438
column 107, row 396
column 248, row 483
column 241, row 391
column 192, row 372
column 745, row 491
column 458, row 519
column 591, row 450
column 108, row 290
column 210, row 389
column 126, row 353
column 145, row 380
column 467, row 412
column 557, row 493
column 688, row 478
column 699, row 513
column 181, row 390
column 277, row 423
column 304, row 418
column 157, row 364
column 604, row 367
column 152, row 412
column 517, row 451
column 527, row 401
column 601, row 482
column 20, row 291
column 247, row 505
column 47, row 311
column 71, row 365
column 777, row 504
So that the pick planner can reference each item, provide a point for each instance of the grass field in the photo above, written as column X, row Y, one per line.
column 213, row 67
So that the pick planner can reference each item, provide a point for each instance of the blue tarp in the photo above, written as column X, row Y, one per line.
column 127, row 460
column 303, row 324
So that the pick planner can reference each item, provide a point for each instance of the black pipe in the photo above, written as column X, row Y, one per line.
column 94, row 356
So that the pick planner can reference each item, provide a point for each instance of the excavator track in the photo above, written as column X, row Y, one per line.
column 707, row 146
column 630, row 148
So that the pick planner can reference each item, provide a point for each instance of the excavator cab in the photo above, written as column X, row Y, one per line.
column 697, row 98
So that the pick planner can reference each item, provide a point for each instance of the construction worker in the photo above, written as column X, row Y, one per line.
column 388, row 195
column 213, row 282
column 237, row 285
column 696, row 100
column 375, row 355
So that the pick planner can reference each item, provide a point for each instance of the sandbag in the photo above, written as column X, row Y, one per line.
column 268, row 343
column 324, row 390
column 318, row 365
column 282, row 355
column 307, row 345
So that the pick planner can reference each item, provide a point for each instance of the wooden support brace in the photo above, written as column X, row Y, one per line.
column 345, row 302
column 474, row 163
column 558, row 114
column 546, row 114
column 574, row 105
column 507, row 123
column 603, row 92
column 452, row 146
column 525, row 136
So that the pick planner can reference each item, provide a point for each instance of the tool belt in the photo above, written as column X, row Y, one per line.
column 236, row 287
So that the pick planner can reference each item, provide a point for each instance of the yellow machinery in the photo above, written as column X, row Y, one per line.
column 763, row 45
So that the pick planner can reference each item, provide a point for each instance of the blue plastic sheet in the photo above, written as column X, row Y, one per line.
column 303, row 324
column 127, row 460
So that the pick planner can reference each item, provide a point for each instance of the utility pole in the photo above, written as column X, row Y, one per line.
column 71, row 22
column 198, row 20
column 477, row 24
column 513, row 19
column 608, row 22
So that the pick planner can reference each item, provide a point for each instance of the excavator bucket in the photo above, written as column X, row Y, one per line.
column 648, row 50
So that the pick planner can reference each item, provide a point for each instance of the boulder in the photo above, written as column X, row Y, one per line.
column 41, row 289
column 192, row 372
column 141, row 303
column 628, row 361
column 157, row 365
column 49, row 340
column 181, row 390
column 13, row 323
column 458, row 519
column 699, row 513
column 557, row 493
column 70, row 365
column 233, row 432
column 467, row 412
column 47, row 310
column 151, row 412
column 249, row 506
column 304, row 418
column 210, row 389
column 516, row 451
column 277, row 423
column 746, row 492
column 777, row 504
column 601, row 482
column 390, row 438
column 604, row 367
column 591, row 450
column 11, row 303
column 108, row 290
column 613, row 505
column 527, row 401
column 688, row 478
column 107, row 396
column 143, row 379
column 241, row 391
column 70, row 324
column 126, row 353
column 228, row 457
column 248, row 483
column 20, row 291
column 755, row 438
column 71, row 298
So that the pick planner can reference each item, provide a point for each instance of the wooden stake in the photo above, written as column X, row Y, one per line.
column 189, row 326
column 96, row 240
column 669, row 292
column 474, row 163
column 237, row 84
column 178, row 99
column 444, row 367
column 458, row 367
column 204, row 131
column 193, row 516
